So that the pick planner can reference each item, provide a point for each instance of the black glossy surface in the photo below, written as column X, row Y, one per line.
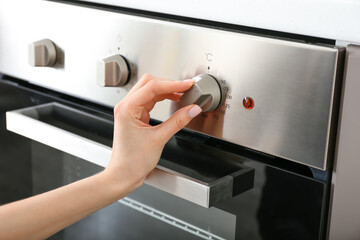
column 15, row 177
column 15, row 150
column 203, row 163
column 111, row 223
column 94, row 128
column 284, row 203
column 281, row 205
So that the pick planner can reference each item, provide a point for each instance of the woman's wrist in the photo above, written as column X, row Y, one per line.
column 117, row 183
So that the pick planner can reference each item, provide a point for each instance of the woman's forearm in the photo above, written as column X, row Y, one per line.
column 41, row 216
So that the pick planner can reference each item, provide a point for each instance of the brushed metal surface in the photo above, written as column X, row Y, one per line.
column 28, row 123
column 291, row 83
column 186, row 187
column 344, row 211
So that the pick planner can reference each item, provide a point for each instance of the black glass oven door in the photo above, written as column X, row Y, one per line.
column 282, row 204
column 195, row 174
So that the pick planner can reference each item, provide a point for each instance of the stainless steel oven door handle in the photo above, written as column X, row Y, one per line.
column 41, row 123
column 27, row 122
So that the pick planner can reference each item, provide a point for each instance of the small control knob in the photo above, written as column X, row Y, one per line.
column 205, row 92
column 112, row 71
column 42, row 53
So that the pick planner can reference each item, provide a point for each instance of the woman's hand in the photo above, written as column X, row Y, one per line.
column 137, row 146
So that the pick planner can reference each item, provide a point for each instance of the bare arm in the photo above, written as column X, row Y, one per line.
column 137, row 147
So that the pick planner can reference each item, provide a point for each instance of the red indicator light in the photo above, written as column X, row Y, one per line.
column 248, row 103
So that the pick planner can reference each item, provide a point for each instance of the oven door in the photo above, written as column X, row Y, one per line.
column 70, row 142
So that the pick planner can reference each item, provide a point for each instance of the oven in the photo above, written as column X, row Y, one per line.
column 258, row 165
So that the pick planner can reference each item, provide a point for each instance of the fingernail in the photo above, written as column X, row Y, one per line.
column 194, row 111
column 189, row 80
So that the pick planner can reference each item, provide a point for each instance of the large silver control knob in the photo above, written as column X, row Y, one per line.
column 112, row 71
column 42, row 53
column 205, row 92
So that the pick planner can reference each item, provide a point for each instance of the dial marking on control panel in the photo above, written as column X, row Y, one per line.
column 209, row 57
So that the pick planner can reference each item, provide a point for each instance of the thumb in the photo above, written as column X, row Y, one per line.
column 177, row 121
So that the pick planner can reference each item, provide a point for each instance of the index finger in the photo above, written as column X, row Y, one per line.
column 144, row 80
column 155, row 88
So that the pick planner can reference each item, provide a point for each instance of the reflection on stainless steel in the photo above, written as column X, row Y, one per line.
column 203, row 184
column 292, row 83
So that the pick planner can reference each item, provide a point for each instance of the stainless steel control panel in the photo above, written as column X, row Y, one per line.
column 276, row 95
